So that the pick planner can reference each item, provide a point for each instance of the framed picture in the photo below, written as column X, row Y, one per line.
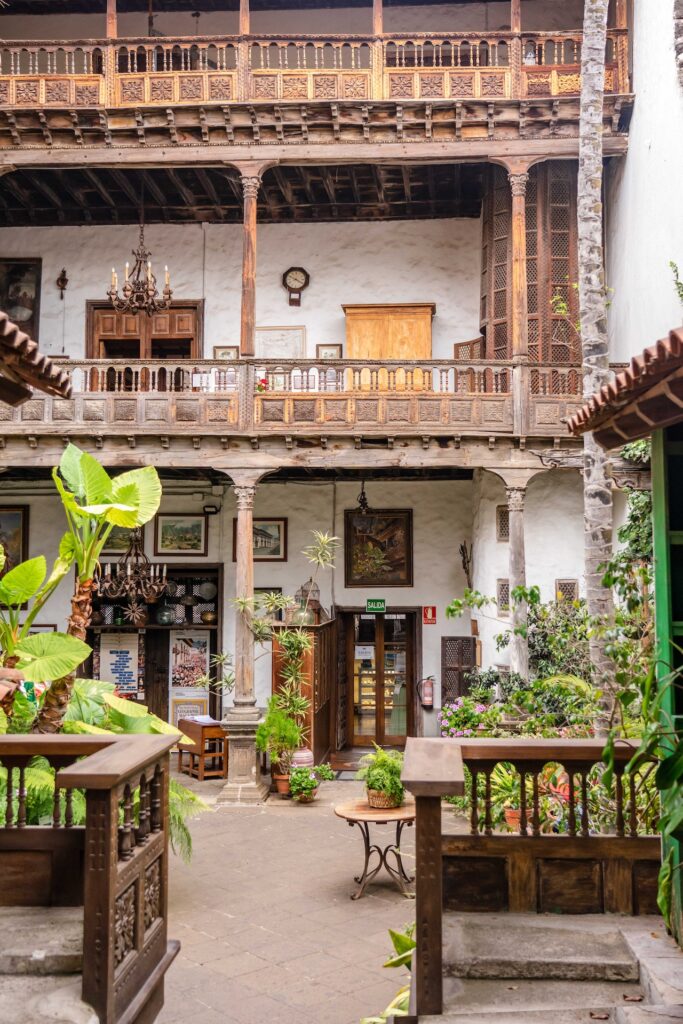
column 20, row 292
column 35, row 628
column 14, row 534
column 118, row 540
column 280, row 342
column 229, row 352
column 189, row 656
column 328, row 351
column 378, row 548
column 181, row 534
column 279, row 616
column 188, row 707
column 270, row 540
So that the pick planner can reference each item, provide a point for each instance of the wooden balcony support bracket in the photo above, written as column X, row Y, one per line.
column 244, row 783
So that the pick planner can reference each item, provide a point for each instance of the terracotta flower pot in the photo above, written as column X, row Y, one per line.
column 381, row 800
column 513, row 816
column 281, row 783
column 308, row 799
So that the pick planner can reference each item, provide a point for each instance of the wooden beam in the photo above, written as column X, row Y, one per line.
column 99, row 187
column 377, row 18
column 516, row 16
column 208, row 186
column 152, row 187
column 621, row 14
column 519, row 324
column 76, row 193
column 250, row 186
column 245, row 18
column 285, row 186
column 328, row 185
column 112, row 20
column 126, row 187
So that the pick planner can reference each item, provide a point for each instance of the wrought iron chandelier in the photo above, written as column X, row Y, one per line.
column 140, row 292
column 133, row 577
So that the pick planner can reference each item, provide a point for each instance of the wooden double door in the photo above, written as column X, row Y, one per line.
column 380, row 662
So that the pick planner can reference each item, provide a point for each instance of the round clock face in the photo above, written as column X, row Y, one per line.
column 296, row 278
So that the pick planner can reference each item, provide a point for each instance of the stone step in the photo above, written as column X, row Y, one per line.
column 518, row 946
column 659, row 1014
column 44, row 1000
column 472, row 996
column 41, row 940
column 582, row 1015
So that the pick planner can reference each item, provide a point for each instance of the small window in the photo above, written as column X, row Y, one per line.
column 567, row 590
column 502, row 522
column 503, row 596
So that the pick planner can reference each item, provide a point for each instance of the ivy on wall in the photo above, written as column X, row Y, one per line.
column 678, row 37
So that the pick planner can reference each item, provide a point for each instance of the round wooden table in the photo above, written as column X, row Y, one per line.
column 359, row 812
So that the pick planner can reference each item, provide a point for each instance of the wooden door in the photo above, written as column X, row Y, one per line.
column 393, row 333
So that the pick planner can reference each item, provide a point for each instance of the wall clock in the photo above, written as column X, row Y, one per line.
column 295, row 280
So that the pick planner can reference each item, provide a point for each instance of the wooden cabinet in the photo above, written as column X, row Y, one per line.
column 174, row 333
column 320, row 666
column 398, row 332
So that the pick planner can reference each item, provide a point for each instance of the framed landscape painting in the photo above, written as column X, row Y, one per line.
column 13, row 534
column 226, row 352
column 20, row 292
column 119, row 540
column 378, row 548
column 270, row 540
column 181, row 534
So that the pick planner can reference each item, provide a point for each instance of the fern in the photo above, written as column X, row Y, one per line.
column 182, row 805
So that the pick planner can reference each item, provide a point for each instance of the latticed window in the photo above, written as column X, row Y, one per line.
column 503, row 595
column 567, row 589
column 502, row 522
column 458, row 656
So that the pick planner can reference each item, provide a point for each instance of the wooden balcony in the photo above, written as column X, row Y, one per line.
column 211, row 70
column 304, row 397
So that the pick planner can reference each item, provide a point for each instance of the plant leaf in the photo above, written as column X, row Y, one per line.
column 670, row 769
column 70, row 468
column 97, row 484
column 48, row 656
column 148, row 485
column 22, row 582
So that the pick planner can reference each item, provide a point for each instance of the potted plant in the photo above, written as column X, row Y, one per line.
column 305, row 779
column 381, row 773
column 279, row 736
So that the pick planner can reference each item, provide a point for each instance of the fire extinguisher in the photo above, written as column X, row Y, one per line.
column 425, row 691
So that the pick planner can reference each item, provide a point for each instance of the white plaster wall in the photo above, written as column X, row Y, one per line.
column 394, row 261
column 444, row 17
column 644, row 194
column 490, row 562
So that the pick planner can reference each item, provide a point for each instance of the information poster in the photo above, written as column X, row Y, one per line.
column 119, row 661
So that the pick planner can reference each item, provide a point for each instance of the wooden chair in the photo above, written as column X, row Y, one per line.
column 208, row 758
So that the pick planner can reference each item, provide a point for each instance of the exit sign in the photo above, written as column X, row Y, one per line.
column 376, row 605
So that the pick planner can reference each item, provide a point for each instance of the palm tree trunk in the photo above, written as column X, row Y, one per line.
column 597, row 491
column 58, row 694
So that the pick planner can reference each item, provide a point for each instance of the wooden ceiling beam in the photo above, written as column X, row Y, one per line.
column 10, row 182
column 124, row 184
column 328, row 185
column 75, row 192
column 96, row 182
column 188, row 197
column 284, row 185
column 208, row 186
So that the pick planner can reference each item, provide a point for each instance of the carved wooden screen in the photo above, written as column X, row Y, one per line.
column 458, row 656
column 551, row 263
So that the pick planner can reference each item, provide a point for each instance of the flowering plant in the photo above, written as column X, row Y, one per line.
column 305, row 779
column 467, row 717
column 262, row 385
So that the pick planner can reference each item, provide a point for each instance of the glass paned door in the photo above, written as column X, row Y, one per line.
column 381, row 660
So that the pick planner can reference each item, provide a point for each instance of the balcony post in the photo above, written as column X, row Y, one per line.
column 519, row 324
column 250, row 187
column 519, row 647
column 244, row 784
column 516, row 46
column 377, row 18
column 245, row 18
column 243, row 46
column 112, row 20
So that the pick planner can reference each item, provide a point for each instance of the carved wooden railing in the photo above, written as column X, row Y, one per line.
column 593, row 864
column 116, row 865
column 220, row 69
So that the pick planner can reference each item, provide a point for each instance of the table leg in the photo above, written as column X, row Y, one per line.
column 398, row 873
column 369, row 848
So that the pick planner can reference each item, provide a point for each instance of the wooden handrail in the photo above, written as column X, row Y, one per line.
column 114, row 763
column 433, row 768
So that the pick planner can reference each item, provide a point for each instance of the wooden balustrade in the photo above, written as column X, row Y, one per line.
column 213, row 69
column 556, row 380
column 598, row 858
column 116, row 865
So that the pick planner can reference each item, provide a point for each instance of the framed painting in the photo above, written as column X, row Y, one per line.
column 378, row 548
column 328, row 351
column 14, row 534
column 119, row 539
column 181, row 534
column 270, row 540
column 188, row 707
column 47, row 628
column 226, row 352
column 20, row 292
column 280, row 342
column 190, row 653
column 279, row 614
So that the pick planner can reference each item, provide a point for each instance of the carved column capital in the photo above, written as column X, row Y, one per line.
column 518, row 183
column 250, row 186
column 515, row 496
column 245, row 493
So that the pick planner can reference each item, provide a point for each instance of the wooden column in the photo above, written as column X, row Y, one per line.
column 245, row 18
column 377, row 18
column 519, row 648
column 112, row 21
column 519, row 316
column 250, row 188
column 516, row 46
column 516, row 16
column 244, row 784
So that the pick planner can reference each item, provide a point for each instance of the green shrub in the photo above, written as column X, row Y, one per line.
column 305, row 779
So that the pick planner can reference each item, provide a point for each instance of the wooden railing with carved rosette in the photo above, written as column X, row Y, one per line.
column 602, row 854
column 223, row 69
column 116, row 865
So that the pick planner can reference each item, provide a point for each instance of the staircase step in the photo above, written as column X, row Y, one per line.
column 471, row 996
column 659, row 1014
column 475, row 946
column 41, row 940
column 46, row 1000
column 577, row 1016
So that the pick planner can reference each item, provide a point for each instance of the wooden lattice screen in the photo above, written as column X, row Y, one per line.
column 552, row 260
column 458, row 657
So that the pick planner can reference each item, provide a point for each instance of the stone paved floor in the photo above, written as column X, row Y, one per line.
column 269, row 934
